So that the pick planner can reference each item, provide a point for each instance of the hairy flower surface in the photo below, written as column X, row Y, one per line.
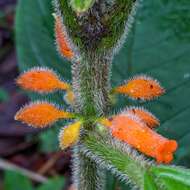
column 41, row 114
column 148, row 118
column 69, row 135
column 41, row 80
column 141, row 87
column 61, row 39
column 131, row 130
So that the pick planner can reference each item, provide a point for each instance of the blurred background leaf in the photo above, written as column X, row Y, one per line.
column 16, row 181
column 158, row 45
column 56, row 183
column 172, row 177
column 4, row 96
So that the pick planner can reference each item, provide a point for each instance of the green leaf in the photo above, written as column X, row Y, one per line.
column 56, row 183
column 172, row 177
column 50, row 139
column 15, row 181
column 149, row 182
column 81, row 6
column 4, row 96
column 115, row 157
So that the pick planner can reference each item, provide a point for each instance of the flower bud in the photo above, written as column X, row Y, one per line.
column 69, row 135
column 141, row 87
column 41, row 114
column 41, row 80
column 148, row 118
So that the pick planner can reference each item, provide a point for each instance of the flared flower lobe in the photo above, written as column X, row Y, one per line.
column 131, row 130
column 148, row 118
column 61, row 39
column 69, row 135
column 41, row 80
column 41, row 114
column 141, row 87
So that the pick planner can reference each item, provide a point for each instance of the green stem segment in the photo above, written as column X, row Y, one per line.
column 86, row 173
column 91, row 86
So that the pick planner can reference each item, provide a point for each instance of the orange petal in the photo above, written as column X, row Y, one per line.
column 41, row 114
column 69, row 135
column 148, row 118
column 41, row 80
column 62, row 42
column 131, row 130
column 141, row 87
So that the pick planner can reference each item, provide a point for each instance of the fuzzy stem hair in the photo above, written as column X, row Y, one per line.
column 91, row 86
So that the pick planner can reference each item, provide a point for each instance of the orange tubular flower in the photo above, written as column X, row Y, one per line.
column 69, row 135
column 41, row 114
column 41, row 80
column 141, row 87
column 61, row 39
column 131, row 130
column 148, row 118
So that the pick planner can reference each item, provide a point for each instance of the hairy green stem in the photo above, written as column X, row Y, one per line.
column 86, row 173
column 91, row 85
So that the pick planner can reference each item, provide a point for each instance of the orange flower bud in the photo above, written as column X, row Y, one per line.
column 131, row 130
column 148, row 118
column 62, row 42
column 141, row 87
column 41, row 80
column 69, row 135
column 41, row 114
